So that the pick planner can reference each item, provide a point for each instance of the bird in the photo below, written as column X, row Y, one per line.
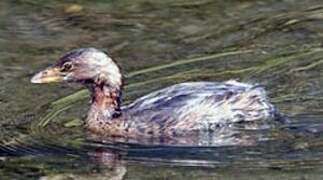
column 179, row 110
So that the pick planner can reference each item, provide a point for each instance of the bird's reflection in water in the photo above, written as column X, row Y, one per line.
column 108, row 166
column 109, row 162
column 112, row 156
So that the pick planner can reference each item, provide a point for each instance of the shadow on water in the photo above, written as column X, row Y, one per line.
column 275, row 43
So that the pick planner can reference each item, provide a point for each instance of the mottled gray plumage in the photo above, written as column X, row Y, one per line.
column 202, row 105
column 176, row 111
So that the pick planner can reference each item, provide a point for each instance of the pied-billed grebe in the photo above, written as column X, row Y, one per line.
column 177, row 110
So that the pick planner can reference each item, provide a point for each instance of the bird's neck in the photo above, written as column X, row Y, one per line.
column 105, row 105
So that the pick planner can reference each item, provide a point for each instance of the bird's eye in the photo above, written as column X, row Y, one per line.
column 66, row 67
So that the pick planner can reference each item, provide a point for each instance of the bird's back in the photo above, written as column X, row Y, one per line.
column 200, row 106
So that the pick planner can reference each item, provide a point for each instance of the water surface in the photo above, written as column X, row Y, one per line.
column 275, row 43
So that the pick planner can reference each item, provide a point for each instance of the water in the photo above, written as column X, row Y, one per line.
column 275, row 43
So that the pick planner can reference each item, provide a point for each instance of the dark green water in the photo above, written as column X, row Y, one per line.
column 277, row 43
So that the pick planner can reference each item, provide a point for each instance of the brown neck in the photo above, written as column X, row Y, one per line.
column 105, row 103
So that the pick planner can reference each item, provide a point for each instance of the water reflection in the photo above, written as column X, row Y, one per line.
column 284, row 44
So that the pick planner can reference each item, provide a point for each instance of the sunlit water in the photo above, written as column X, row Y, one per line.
column 274, row 43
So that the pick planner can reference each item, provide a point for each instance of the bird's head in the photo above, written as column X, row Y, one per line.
column 86, row 65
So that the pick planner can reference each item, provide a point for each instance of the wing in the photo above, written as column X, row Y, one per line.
column 178, row 100
column 181, row 94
